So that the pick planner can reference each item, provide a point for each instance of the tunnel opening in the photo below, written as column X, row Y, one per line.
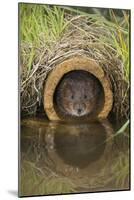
column 77, row 88
column 79, row 95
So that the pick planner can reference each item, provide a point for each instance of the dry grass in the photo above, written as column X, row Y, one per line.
column 56, row 35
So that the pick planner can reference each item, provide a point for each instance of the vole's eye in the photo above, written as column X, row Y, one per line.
column 85, row 96
column 72, row 97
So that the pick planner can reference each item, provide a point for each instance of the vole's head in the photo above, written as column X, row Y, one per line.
column 77, row 94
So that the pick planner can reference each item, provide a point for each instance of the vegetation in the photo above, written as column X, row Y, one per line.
column 42, row 24
column 50, row 34
column 120, row 25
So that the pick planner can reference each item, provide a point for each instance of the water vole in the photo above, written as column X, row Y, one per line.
column 77, row 94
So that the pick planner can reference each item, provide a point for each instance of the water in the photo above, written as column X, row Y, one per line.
column 58, row 158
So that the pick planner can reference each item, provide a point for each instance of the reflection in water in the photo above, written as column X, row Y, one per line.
column 81, row 146
column 70, row 157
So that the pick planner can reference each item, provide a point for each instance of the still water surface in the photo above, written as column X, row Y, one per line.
column 58, row 158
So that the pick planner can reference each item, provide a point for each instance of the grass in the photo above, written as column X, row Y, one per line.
column 123, row 128
column 50, row 34
column 119, row 27
column 121, row 42
column 44, row 25
column 41, row 22
column 40, row 25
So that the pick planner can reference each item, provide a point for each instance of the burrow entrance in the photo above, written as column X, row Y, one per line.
column 77, row 89
column 78, row 96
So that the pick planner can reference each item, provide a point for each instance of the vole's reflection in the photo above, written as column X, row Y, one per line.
column 78, row 145
column 73, row 144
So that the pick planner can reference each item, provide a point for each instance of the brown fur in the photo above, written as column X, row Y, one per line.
column 77, row 94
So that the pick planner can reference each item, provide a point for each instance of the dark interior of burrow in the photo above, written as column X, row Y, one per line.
column 79, row 95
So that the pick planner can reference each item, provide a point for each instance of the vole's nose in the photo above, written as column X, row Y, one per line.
column 79, row 110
